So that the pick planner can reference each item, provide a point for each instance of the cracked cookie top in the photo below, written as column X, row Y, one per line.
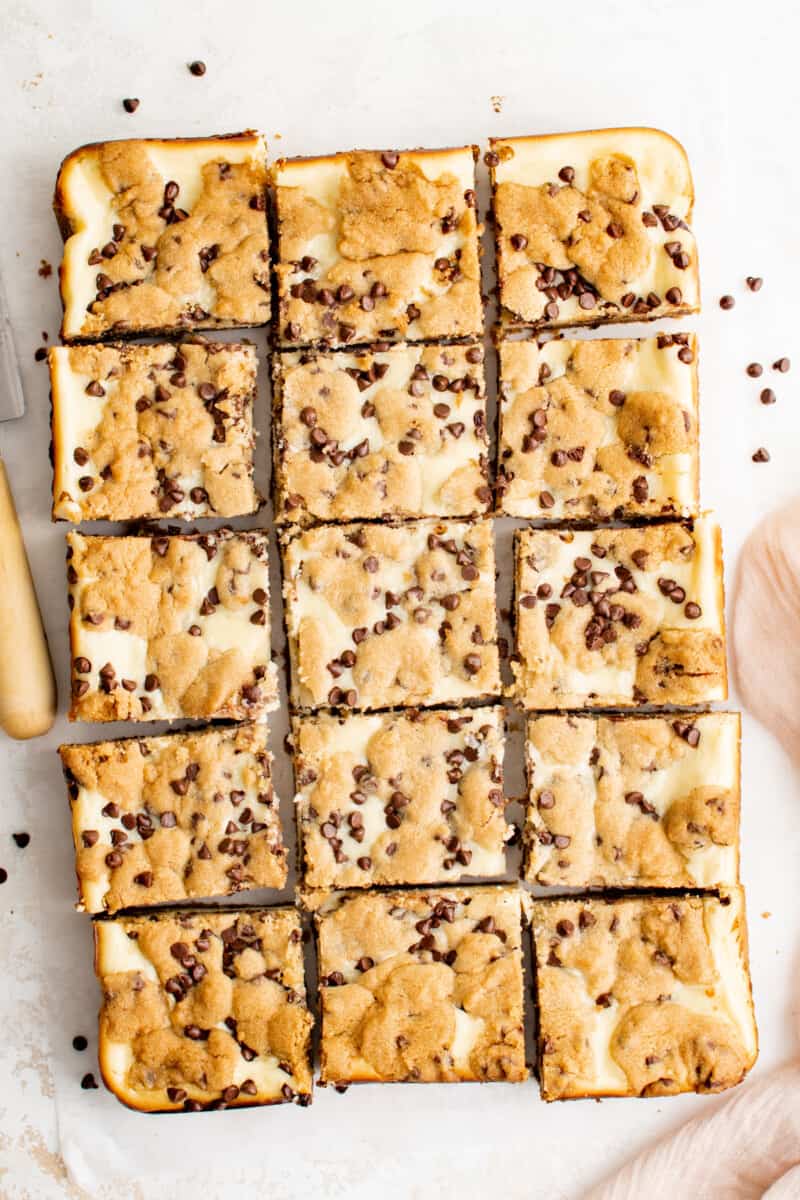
column 593, row 227
column 378, row 246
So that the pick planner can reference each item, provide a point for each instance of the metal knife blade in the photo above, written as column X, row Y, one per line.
column 12, row 399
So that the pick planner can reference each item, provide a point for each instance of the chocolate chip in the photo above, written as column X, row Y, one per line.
column 726, row 302
column 88, row 1082
column 491, row 158
column 22, row 839
column 693, row 611
column 782, row 365
column 755, row 370
column 472, row 664
column 754, row 282
column 546, row 500
column 616, row 397
column 614, row 230
column 130, row 104
column 518, row 241
column 566, row 174
column 390, row 159
column 79, row 1042
column 767, row 396
column 673, row 295
column 197, row 67
column 761, row 455
column 685, row 355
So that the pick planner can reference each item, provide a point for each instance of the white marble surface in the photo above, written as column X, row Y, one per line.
column 327, row 77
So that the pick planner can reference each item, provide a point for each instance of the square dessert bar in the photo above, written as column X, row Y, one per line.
column 422, row 986
column 170, row 626
column 593, row 227
column 394, row 433
column 203, row 1009
column 643, row 997
column 599, row 429
column 378, row 247
column 633, row 801
column 379, row 616
column 399, row 798
column 620, row 617
column 163, row 236
column 153, row 431
column 180, row 817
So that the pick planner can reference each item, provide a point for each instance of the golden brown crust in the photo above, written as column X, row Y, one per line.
column 153, row 431
column 400, row 798
column 422, row 986
column 173, row 818
column 599, row 429
column 380, row 616
column 376, row 246
column 633, row 801
column 397, row 433
column 203, row 1009
column 170, row 626
column 143, row 257
column 593, row 227
column 643, row 997
column 620, row 617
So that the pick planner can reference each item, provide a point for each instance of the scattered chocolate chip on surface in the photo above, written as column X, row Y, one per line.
column 79, row 1042
column 22, row 839
column 761, row 455
column 754, row 370
column 754, row 282
column 198, row 67
column 727, row 302
column 130, row 104
column 767, row 396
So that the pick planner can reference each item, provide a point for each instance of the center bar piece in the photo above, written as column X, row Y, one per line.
column 422, row 986
column 619, row 617
column 400, row 798
column 378, row 246
column 593, row 227
column 163, row 236
column 379, row 616
column 203, row 1009
column 599, row 429
column 153, row 431
column 180, row 817
column 163, row 626
column 399, row 432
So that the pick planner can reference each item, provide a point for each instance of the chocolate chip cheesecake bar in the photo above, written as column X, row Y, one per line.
column 379, row 616
column 643, row 997
column 644, row 802
column 203, row 1009
column 422, row 986
column 181, row 817
column 164, row 236
column 593, row 227
column 153, row 431
column 400, row 798
column 599, row 429
column 378, row 246
column 620, row 617
column 170, row 626
column 399, row 432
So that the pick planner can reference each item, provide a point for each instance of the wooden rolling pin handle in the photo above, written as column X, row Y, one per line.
column 27, row 685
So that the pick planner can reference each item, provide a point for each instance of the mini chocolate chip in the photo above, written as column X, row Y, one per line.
column 782, row 365
column 131, row 104
column 22, row 839
column 390, row 159
column 79, row 1042
column 726, row 302
column 761, row 455
column 197, row 67
column 88, row 1082
column 767, row 396
column 755, row 370
column 754, row 282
